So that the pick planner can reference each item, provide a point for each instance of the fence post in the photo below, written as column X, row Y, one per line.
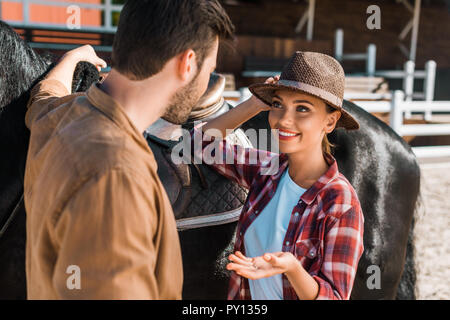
column 408, row 83
column 339, row 44
column 371, row 59
column 396, row 115
column 26, row 12
column 311, row 9
column 428, row 85
column 108, row 20
column 415, row 30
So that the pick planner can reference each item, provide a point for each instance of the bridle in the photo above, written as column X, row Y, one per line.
column 11, row 216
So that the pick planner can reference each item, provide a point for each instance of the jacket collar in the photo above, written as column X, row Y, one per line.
column 112, row 109
column 309, row 195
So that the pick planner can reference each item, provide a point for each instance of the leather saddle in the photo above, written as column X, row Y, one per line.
column 200, row 196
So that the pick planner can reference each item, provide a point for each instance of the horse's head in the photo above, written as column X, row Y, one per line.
column 21, row 68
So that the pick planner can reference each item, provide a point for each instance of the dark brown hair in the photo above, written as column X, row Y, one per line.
column 151, row 32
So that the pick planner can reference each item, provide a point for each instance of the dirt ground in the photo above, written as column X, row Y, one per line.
column 432, row 233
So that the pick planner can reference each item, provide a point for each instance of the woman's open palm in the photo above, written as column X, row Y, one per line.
column 264, row 266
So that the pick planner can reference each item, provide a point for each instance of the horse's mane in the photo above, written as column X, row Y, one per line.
column 20, row 66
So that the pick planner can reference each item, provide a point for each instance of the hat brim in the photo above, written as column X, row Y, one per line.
column 266, row 91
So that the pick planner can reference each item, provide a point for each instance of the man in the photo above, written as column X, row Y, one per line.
column 99, row 223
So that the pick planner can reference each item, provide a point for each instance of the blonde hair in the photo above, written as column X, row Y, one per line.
column 326, row 144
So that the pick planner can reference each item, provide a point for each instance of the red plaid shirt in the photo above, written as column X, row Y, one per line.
column 325, row 232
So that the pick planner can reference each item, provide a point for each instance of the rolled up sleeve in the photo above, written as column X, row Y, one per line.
column 107, row 232
column 235, row 162
column 43, row 98
column 343, row 247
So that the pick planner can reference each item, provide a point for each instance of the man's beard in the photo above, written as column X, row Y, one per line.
column 182, row 102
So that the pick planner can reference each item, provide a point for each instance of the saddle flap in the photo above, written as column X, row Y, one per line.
column 176, row 178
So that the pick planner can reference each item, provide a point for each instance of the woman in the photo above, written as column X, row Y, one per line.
column 300, row 233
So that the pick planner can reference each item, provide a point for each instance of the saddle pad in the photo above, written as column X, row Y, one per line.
column 199, row 195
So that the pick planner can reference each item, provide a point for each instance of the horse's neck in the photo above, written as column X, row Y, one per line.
column 21, row 69
column 14, row 138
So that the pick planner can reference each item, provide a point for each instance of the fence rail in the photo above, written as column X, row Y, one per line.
column 107, row 7
column 398, row 107
column 369, row 57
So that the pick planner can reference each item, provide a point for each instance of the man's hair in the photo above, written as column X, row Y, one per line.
column 151, row 32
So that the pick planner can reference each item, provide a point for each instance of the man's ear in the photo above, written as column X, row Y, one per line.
column 332, row 119
column 187, row 65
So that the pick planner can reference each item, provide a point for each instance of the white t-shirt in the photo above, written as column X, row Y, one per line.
column 267, row 232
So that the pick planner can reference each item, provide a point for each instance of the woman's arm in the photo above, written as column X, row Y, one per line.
column 238, row 163
column 238, row 115
column 234, row 118
column 304, row 285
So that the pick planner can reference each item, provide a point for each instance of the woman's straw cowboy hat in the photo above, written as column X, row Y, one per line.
column 312, row 73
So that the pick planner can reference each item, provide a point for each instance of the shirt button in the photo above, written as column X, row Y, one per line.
column 240, row 233
column 312, row 253
column 287, row 243
column 257, row 211
column 296, row 214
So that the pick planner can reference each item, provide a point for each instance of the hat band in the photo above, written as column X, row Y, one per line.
column 313, row 90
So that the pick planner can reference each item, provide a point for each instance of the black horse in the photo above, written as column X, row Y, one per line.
column 378, row 163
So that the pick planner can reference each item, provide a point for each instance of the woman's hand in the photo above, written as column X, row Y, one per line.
column 270, row 264
column 238, row 115
column 265, row 266
column 256, row 102
column 85, row 53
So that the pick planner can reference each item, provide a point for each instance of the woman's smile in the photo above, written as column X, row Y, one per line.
column 302, row 121
column 286, row 135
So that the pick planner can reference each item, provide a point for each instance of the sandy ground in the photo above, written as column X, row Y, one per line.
column 432, row 232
